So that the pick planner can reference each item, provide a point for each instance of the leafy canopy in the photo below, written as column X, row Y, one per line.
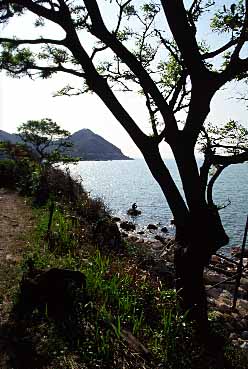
column 150, row 47
column 47, row 139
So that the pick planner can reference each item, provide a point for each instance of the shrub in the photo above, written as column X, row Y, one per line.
column 7, row 170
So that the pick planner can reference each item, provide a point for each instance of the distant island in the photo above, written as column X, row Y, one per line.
column 86, row 145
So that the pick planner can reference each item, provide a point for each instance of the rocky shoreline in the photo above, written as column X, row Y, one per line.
column 220, row 277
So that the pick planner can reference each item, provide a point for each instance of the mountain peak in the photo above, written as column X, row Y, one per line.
column 90, row 146
column 86, row 145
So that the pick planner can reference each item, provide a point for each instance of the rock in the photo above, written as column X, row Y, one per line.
column 141, row 232
column 214, row 292
column 51, row 289
column 244, row 324
column 107, row 233
column 236, row 251
column 133, row 238
column 156, row 245
column 224, row 302
column 215, row 259
column 164, row 273
column 211, row 277
column 226, row 296
column 159, row 238
column 244, row 283
column 233, row 336
column 152, row 227
column 127, row 226
column 133, row 212
column 244, row 335
column 235, row 343
column 244, row 347
column 116, row 219
column 221, row 306
column 164, row 229
column 242, row 307
column 245, row 262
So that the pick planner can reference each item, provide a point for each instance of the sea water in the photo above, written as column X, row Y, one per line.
column 121, row 183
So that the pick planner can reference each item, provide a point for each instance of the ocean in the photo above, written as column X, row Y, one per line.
column 121, row 183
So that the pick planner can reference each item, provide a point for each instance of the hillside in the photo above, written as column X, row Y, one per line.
column 90, row 146
column 86, row 145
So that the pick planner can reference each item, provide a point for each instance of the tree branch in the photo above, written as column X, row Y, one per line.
column 243, row 36
column 233, row 159
column 32, row 42
column 99, row 29
column 52, row 69
column 37, row 9
column 177, row 90
column 211, row 184
column 184, row 35
column 216, row 52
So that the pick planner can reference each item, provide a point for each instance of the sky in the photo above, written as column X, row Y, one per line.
column 24, row 99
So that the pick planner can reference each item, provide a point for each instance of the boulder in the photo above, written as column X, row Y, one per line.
column 133, row 212
column 127, row 226
column 223, row 307
column 236, row 252
column 164, row 229
column 107, row 234
column 211, row 277
column 244, row 335
column 152, row 227
column 215, row 259
column 51, row 290
column 242, row 307
column 214, row 292
column 244, row 283
column 159, row 238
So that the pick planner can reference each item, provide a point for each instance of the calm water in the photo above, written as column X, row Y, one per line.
column 121, row 183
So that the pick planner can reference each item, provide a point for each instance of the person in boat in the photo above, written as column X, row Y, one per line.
column 134, row 206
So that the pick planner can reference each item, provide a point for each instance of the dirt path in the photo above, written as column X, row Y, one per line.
column 16, row 221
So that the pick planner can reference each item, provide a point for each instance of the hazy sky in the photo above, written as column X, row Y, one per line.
column 24, row 99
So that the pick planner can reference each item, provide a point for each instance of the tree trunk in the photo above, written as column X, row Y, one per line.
column 199, row 232
column 201, row 236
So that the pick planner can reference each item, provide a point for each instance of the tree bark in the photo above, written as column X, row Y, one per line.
column 199, row 232
column 200, row 237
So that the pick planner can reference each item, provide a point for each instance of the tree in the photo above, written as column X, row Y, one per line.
column 47, row 139
column 173, row 74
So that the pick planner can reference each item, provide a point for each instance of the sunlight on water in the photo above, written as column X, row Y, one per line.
column 121, row 183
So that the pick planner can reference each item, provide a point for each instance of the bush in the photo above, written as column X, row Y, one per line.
column 7, row 170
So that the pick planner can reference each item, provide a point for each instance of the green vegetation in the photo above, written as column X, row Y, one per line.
column 153, row 49
column 125, row 317
column 47, row 139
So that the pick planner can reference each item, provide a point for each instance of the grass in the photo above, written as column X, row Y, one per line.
column 125, row 314
column 125, row 318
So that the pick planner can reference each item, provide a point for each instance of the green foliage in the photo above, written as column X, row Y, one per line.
column 7, row 170
column 170, row 72
column 229, row 19
column 231, row 138
column 47, row 138
column 116, row 304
